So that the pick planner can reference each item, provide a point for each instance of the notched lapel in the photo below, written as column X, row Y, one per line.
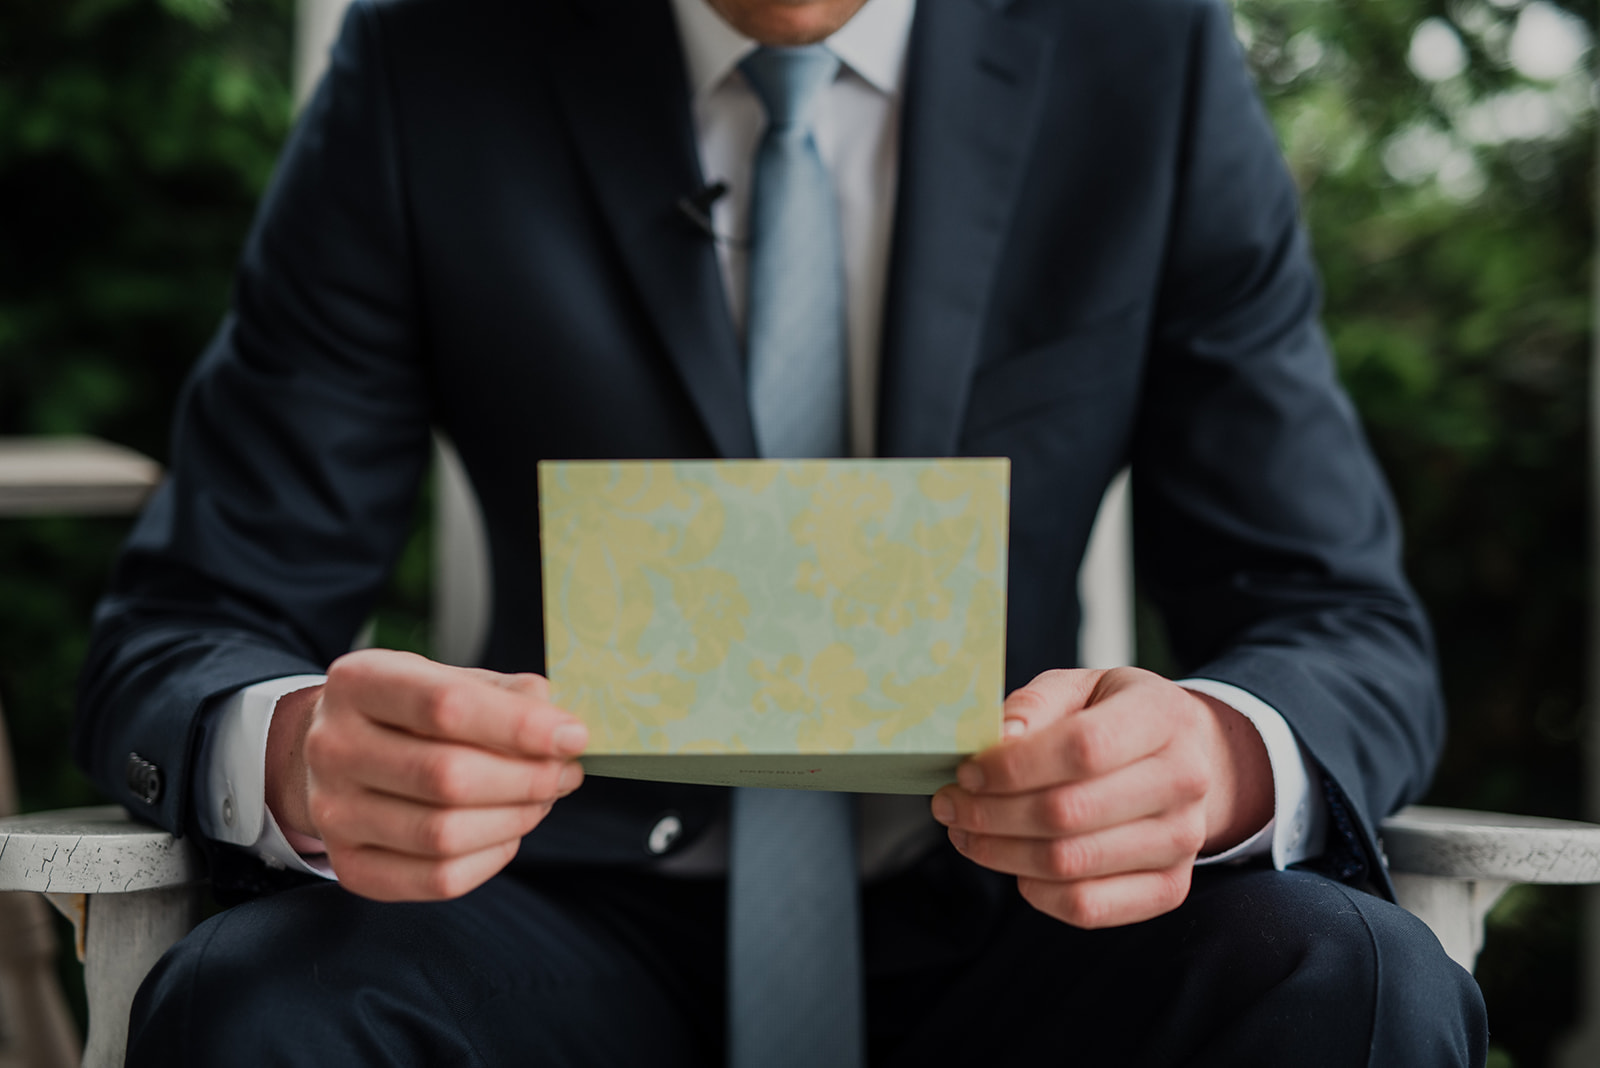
column 971, row 107
column 620, row 76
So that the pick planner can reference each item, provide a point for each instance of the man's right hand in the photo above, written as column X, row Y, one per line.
column 419, row 778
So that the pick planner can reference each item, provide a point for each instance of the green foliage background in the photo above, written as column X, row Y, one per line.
column 1459, row 306
column 136, row 136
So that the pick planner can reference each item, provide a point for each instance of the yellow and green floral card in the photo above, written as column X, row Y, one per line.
column 829, row 624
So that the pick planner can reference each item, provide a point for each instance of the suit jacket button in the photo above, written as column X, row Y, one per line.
column 668, row 829
column 144, row 779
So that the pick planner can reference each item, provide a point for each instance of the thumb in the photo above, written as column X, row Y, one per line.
column 1050, row 696
column 524, row 682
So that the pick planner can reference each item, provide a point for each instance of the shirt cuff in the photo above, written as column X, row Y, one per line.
column 233, row 784
column 1298, row 827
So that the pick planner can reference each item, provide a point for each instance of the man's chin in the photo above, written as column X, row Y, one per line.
column 786, row 23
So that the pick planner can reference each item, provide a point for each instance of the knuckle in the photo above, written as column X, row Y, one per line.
column 1038, row 893
column 1109, row 681
column 445, row 712
column 354, row 670
column 1081, row 908
column 531, row 684
column 1069, row 858
column 344, row 671
column 1026, row 700
column 1067, row 810
column 543, row 780
column 530, row 734
column 1052, row 676
column 1088, row 745
column 1190, row 782
column 1174, row 886
column 444, row 778
column 1187, row 837
column 437, row 833
column 443, row 881
column 320, row 745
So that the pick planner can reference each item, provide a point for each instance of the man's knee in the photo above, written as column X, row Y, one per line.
column 1358, row 979
column 1430, row 1010
column 196, row 1004
column 320, row 976
column 268, row 980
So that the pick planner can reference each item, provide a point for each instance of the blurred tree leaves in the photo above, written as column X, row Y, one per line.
column 1448, row 192
column 1445, row 151
column 135, row 139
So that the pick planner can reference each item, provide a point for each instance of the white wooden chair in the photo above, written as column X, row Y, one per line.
column 36, row 1028
column 68, row 475
column 56, row 476
column 132, row 891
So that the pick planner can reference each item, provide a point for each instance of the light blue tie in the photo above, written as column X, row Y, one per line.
column 795, row 330
column 794, row 931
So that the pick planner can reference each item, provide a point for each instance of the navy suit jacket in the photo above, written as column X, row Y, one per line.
column 1097, row 261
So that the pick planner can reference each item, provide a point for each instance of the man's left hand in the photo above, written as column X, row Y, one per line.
column 1106, row 788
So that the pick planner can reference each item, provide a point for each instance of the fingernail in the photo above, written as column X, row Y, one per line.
column 570, row 738
column 970, row 776
column 958, row 839
column 944, row 810
column 1013, row 727
column 570, row 774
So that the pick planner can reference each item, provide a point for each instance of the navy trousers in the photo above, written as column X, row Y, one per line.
column 603, row 968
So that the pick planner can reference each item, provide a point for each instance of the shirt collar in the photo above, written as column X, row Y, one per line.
column 873, row 44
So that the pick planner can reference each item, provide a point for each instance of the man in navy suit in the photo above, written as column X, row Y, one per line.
column 1067, row 238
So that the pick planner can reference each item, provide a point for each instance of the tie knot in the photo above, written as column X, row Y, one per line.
column 788, row 79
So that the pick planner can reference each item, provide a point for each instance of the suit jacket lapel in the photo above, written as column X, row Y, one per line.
column 972, row 94
column 620, row 75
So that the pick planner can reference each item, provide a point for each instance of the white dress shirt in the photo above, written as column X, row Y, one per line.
column 856, row 127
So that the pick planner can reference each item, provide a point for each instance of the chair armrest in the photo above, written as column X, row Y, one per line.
column 130, row 890
column 72, row 476
column 1450, row 866
column 92, row 851
column 1463, row 844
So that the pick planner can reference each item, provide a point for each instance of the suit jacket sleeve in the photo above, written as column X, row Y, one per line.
column 298, row 447
column 1265, row 532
